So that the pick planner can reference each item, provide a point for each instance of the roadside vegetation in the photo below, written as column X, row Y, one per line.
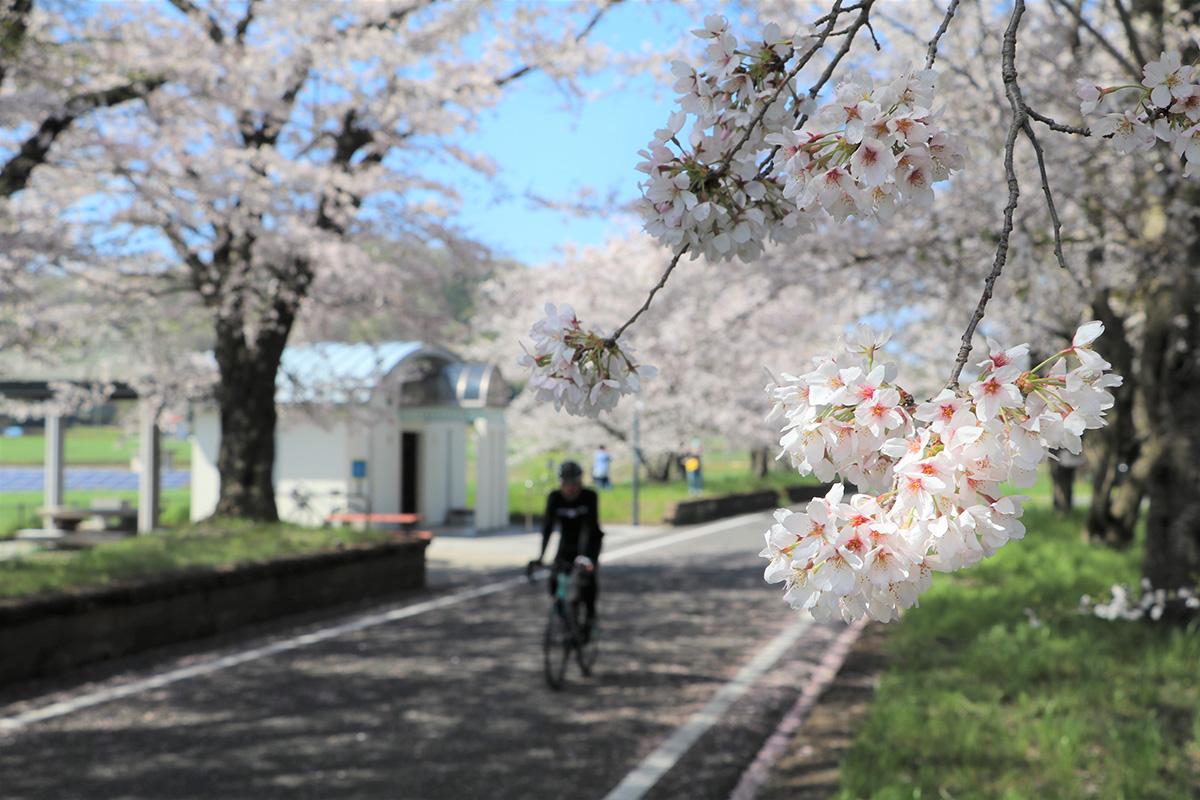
column 169, row 551
column 998, row 687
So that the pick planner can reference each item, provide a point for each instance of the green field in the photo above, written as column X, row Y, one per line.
column 88, row 445
column 725, row 472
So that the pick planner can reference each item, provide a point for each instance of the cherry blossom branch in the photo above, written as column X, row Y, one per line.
column 1020, row 119
column 864, row 9
column 612, row 340
column 933, row 43
column 851, row 32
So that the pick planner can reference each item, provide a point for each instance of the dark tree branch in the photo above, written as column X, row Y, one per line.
column 1020, row 119
column 1133, row 69
column 14, row 175
column 931, row 55
column 15, row 21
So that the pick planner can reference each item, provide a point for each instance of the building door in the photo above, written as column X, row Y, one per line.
column 409, row 460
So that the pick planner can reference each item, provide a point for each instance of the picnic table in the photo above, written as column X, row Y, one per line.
column 67, row 518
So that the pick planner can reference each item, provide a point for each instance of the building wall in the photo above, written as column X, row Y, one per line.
column 444, row 466
column 205, row 479
column 317, row 461
column 379, row 446
column 312, row 467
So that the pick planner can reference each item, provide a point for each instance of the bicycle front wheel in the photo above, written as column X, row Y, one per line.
column 587, row 650
column 556, row 648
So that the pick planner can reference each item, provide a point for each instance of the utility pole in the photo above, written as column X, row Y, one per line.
column 637, row 460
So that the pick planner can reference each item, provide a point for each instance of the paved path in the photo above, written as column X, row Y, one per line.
column 440, row 695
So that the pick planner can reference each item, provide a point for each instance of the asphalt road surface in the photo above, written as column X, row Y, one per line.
column 440, row 694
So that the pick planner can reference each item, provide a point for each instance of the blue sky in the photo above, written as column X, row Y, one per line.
column 539, row 147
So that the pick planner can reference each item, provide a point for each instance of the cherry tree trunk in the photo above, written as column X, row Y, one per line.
column 246, row 399
column 1171, row 386
column 760, row 461
column 1062, row 480
column 1118, row 466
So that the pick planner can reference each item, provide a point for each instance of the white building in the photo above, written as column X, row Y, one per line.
column 378, row 429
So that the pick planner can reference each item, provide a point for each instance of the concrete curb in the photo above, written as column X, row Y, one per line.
column 759, row 771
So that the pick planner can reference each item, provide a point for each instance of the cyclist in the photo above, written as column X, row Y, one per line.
column 576, row 511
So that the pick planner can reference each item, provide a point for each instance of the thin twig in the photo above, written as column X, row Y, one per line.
column 1020, row 119
column 931, row 55
column 1041, row 160
column 661, row 282
column 1129, row 66
column 1131, row 35
column 1057, row 126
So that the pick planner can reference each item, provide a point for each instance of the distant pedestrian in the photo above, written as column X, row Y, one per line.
column 601, row 463
column 692, row 468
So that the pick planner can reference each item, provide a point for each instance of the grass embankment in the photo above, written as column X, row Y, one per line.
column 88, row 446
column 159, row 553
column 982, row 701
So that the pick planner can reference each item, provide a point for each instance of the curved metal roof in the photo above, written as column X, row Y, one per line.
column 340, row 372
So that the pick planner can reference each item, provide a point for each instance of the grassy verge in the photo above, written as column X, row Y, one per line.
column 998, row 688
column 165, row 552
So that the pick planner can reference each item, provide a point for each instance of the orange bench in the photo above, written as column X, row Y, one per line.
column 406, row 521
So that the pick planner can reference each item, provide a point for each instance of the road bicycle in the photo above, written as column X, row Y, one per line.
column 312, row 509
column 567, row 632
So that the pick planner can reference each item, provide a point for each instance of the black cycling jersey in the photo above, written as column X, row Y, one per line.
column 579, row 533
column 578, row 523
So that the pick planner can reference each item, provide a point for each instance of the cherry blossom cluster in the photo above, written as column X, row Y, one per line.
column 581, row 371
column 748, row 171
column 885, row 146
column 1167, row 107
column 932, row 471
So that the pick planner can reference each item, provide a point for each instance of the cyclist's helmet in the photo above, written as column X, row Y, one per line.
column 570, row 472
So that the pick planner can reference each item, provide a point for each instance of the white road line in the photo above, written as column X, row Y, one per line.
column 361, row 623
column 637, row 783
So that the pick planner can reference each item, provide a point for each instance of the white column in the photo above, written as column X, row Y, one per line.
column 150, row 454
column 500, row 470
column 483, row 474
column 491, row 492
column 55, row 483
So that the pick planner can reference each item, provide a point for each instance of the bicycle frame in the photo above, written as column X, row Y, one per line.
column 563, row 635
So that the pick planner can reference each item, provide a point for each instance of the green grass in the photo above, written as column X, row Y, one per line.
column 725, row 472
column 980, row 703
column 88, row 445
column 231, row 543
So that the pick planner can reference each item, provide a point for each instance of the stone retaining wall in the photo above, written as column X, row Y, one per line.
column 51, row 633
column 703, row 509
